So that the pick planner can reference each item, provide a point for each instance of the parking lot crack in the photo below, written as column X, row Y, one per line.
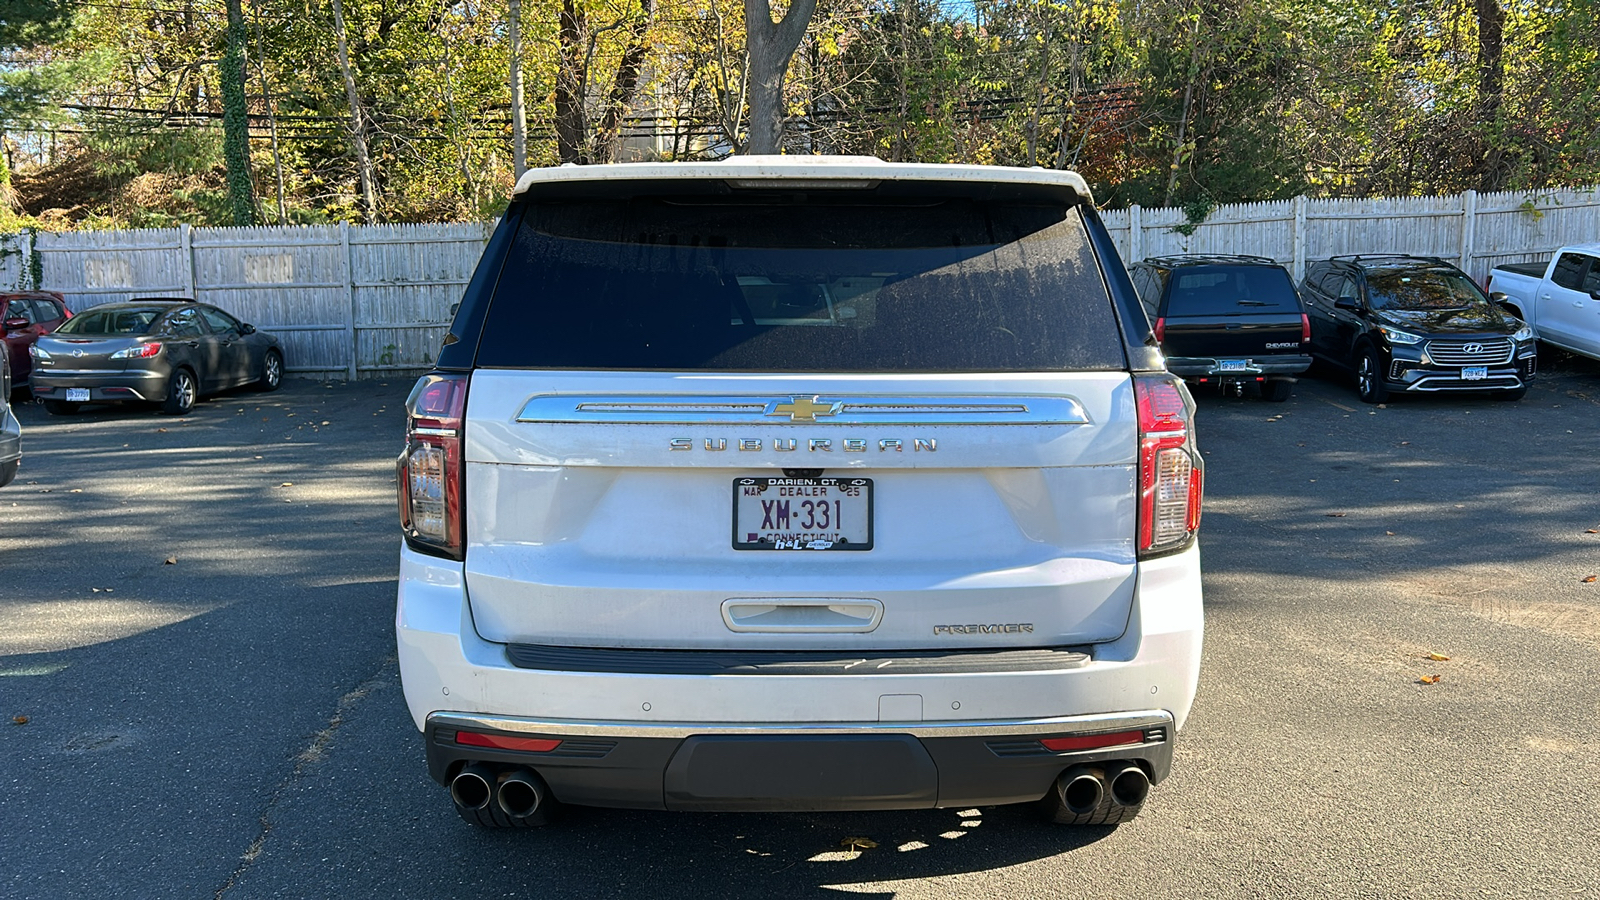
column 304, row 762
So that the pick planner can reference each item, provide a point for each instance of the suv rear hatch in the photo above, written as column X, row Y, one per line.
column 668, row 378
column 1230, row 310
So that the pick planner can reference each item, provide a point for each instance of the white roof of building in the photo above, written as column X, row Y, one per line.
column 802, row 168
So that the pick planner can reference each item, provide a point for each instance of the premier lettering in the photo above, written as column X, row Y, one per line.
column 1007, row 628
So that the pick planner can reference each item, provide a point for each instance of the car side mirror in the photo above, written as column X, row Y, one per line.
column 247, row 328
column 1346, row 303
column 16, row 324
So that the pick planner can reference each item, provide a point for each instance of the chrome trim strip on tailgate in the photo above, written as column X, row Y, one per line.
column 924, row 729
column 812, row 409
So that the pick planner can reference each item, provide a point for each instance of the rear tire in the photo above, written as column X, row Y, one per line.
column 1277, row 390
column 1369, row 377
column 181, row 394
column 271, row 372
column 61, row 408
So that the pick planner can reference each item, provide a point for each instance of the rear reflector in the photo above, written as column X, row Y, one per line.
column 1305, row 329
column 1161, row 329
column 501, row 742
column 1093, row 741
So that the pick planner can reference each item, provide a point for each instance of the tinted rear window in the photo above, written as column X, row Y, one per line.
column 940, row 285
column 111, row 321
column 1230, row 290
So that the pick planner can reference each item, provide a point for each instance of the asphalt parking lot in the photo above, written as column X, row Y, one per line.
column 196, row 624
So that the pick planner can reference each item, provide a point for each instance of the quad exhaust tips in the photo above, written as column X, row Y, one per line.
column 499, row 797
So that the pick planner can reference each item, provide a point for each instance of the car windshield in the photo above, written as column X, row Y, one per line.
column 939, row 286
column 1230, row 290
column 1423, row 289
column 111, row 321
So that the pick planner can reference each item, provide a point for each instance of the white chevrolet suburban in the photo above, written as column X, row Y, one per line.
column 790, row 483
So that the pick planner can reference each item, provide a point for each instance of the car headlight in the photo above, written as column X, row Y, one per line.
column 1396, row 336
column 1525, row 333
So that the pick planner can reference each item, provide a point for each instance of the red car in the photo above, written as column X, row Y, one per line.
column 29, row 314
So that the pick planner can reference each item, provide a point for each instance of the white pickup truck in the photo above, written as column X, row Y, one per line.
column 1559, row 297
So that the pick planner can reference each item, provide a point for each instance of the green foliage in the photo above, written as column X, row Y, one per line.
column 1183, row 102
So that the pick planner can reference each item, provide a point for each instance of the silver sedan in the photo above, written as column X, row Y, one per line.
column 155, row 351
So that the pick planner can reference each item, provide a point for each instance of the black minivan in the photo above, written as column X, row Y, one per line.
column 1232, row 321
column 1414, row 324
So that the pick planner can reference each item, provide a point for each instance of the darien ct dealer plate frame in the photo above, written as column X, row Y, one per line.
column 743, row 531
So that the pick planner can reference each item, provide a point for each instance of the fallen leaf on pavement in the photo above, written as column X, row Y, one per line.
column 287, row 484
column 1592, row 531
column 171, row 561
column 1334, row 515
column 19, row 720
column 1429, row 679
column 1590, row 579
column 1438, row 657
column 1389, row 532
column 858, row 843
column 161, row 431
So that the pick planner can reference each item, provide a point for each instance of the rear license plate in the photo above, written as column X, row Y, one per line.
column 77, row 395
column 1474, row 373
column 802, row 514
column 1233, row 365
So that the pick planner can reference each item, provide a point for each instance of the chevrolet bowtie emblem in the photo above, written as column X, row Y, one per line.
column 804, row 409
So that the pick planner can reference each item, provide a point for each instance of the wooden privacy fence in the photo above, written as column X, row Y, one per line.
column 353, row 300
column 343, row 300
column 1475, row 231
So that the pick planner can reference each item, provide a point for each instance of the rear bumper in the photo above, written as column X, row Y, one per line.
column 452, row 677
column 1212, row 367
column 784, row 767
column 132, row 384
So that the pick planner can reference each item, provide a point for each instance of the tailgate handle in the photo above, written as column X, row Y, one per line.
column 807, row 615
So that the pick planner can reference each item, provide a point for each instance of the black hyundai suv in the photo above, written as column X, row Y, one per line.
column 1414, row 324
column 1233, row 321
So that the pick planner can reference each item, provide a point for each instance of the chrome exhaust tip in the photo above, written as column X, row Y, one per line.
column 1081, row 790
column 472, row 787
column 1129, row 786
column 521, row 794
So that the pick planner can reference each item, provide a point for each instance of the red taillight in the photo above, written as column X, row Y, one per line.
column 501, row 742
column 430, row 473
column 1170, row 471
column 1093, row 741
column 1161, row 329
column 1305, row 329
column 144, row 351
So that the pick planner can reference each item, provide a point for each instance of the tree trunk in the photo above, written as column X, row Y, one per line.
column 236, row 120
column 519, row 117
column 358, row 131
column 771, row 45
column 571, row 121
column 607, row 138
column 1491, row 90
column 272, row 120
column 1188, row 104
